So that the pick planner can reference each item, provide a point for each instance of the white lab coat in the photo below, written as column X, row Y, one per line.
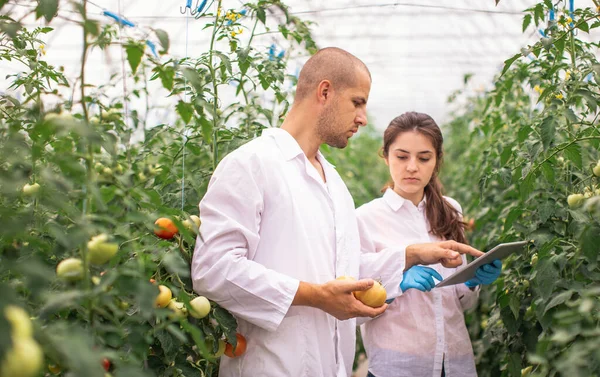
column 268, row 222
column 419, row 330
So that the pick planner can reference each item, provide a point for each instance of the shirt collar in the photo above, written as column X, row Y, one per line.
column 289, row 146
column 396, row 201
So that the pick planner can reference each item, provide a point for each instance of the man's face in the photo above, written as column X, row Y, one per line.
column 345, row 112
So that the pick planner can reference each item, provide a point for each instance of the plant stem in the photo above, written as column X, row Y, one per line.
column 215, row 87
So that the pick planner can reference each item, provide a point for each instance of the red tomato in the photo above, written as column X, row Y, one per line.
column 239, row 349
column 167, row 228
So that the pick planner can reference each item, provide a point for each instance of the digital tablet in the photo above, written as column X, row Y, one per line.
column 467, row 272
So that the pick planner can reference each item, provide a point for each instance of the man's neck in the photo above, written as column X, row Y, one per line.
column 303, row 130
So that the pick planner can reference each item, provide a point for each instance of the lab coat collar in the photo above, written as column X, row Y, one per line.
column 289, row 146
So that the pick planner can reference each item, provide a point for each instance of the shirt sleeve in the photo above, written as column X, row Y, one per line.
column 230, row 214
column 386, row 265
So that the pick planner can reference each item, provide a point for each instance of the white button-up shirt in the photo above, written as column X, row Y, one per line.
column 419, row 330
column 269, row 221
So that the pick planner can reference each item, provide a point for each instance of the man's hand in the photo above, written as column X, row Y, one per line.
column 445, row 252
column 335, row 297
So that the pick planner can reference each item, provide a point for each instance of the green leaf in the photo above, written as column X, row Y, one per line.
column 227, row 323
column 225, row 60
column 193, row 77
column 163, row 39
column 506, row 154
column 538, row 13
column 514, row 365
column 582, row 25
column 509, row 62
column 10, row 28
column 573, row 153
column 559, row 43
column 134, row 55
column 185, row 111
column 527, row 186
column 590, row 98
column 589, row 242
column 261, row 15
column 526, row 21
column 546, row 277
column 207, row 129
column 547, row 131
column 47, row 9
column 514, row 214
column 558, row 299
column 548, row 171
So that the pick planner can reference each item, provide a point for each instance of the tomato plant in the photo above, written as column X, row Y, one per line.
column 85, row 175
column 520, row 160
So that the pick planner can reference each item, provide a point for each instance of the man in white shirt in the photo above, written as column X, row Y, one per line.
column 278, row 227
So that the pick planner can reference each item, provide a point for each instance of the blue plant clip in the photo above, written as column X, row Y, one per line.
column 571, row 10
column 201, row 6
column 281, row 54
column 123, row 21
column 152, row 47
column 272, row 51
column 542, row 32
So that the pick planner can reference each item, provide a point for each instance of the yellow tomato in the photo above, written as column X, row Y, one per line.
column 164, row 297
column 373, row 297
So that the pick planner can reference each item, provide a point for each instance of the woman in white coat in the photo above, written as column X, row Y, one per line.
column 423, row 331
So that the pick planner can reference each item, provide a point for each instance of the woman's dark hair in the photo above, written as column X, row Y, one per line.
column 444, row 219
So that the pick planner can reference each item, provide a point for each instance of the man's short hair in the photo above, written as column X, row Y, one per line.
column 334, row 64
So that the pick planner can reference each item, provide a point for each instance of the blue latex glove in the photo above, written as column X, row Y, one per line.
column 419, row 277
column 486, row 274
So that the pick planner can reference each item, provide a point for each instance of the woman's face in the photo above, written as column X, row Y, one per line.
column 412, row 161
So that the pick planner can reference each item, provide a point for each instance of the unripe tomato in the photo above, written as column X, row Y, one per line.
column 178, row 308
column 24, row 359
column 164, row 297
column 70, row 269
column 374, row 296
column 192, row 224
column 534, row 259
column 240, row 348
column 200, row 307
column 526, row 371
column 30, row 190
column 100, row 251
column 167, row 228
column 575, row 200
column 54, row 369
column 210, row 347
column 19, row 321
column 596, row 169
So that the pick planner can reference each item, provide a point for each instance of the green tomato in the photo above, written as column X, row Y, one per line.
column 200, row 307
column 24, row 359
column 30, row 190
column 534, row 259
column 100, row 251
column 575, row 200
column 210, row 347
column 70, row 269
column 178, row 308
column 19, row 321
column 596, row 169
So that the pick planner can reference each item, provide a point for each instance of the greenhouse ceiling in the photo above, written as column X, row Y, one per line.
column 418, row 51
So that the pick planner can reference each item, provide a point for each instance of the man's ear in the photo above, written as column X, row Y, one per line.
column 323, row 91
